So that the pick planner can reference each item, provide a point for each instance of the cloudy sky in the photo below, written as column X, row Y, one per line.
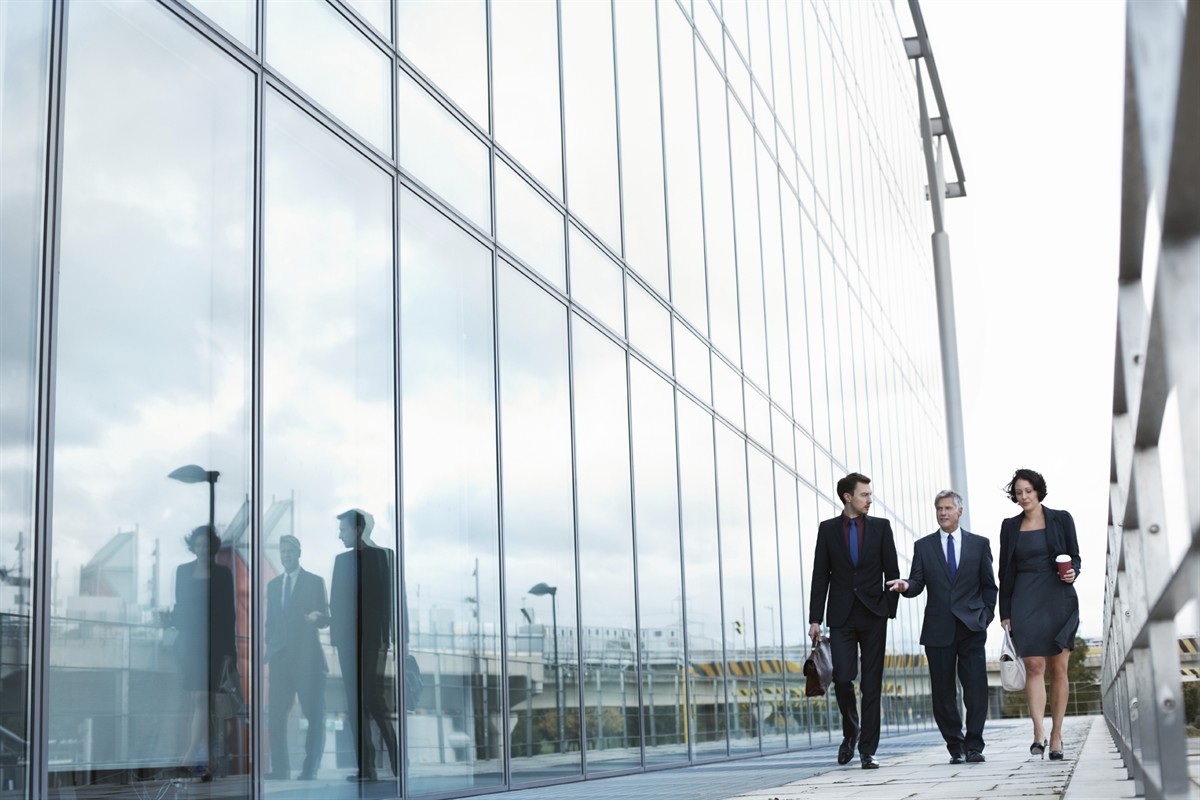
column 1034, row 92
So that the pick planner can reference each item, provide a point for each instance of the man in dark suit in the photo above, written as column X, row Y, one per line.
column 956, row 567
column 361, row 599
column 296, row 609
column 855, row 554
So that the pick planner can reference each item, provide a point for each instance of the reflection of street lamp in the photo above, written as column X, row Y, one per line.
column 195, row 474
column 541, row 590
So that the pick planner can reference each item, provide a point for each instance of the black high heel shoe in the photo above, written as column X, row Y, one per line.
column 1056, row 755
column 1039, row 749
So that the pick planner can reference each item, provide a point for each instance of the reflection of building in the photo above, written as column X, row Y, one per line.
column 109, row 581
column 587, row 305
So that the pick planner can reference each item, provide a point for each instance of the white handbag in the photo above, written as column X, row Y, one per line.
column 1012, row 668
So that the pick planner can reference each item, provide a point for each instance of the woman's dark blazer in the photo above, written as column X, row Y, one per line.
column 1060, row 536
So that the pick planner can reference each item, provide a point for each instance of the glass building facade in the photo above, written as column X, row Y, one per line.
column 579, row 309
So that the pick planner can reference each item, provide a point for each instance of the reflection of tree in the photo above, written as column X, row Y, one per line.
column 544, row 736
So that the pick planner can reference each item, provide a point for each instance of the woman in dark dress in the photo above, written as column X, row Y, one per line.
column 204, row 616
column 1039, row 607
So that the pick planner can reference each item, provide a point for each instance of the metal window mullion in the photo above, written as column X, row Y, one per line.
column 257, row 403
column 41, row 539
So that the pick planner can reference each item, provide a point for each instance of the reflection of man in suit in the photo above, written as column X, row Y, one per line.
column 855, row 554
column 956, row 567
column 296, row 608
column 361, row 599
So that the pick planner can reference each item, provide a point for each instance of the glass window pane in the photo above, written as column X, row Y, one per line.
column 24, row 86
column 688, row 292
column 539, row 530
column 317, row 49
column 737, row 588
column 706, row 702
column 452, row 560
column 641, row 143
column 692, row 362
column 596, row 282
column 749, row 256
column 774, row 295
column 727, row 393
column 153, row 381
column 783, row 442
column 329, row 476
column 377, row 12
column 718, row 211
column 793, row 617
column 660, row 592
column 589, row 106
column 235, row 16
column 758, row 415
column 448, row 42
column 767, row 599
column 525, row 87
column 649, row 324
column 442, row 154
column 606, row 546
column 529, row 227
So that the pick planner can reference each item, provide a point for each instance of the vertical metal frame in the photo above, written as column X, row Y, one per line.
column 1157, row 347
column 258, row 315
column 42, row 538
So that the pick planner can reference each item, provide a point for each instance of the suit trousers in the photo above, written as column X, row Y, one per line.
column 290, row 677
column 863, row 636
column 966, row 657
column 363, row 673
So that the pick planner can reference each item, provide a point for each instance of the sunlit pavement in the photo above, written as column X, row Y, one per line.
column 912, row 766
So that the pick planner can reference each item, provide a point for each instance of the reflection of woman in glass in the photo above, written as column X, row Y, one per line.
column 205, row 644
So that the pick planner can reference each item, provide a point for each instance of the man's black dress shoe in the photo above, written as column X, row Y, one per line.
column 956, row 758
column 975, row 757
column 360, row 778
column 846, row 751
column 306, row 776
column 870, row 762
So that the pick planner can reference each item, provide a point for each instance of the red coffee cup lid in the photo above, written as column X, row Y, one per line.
column 1063, row 558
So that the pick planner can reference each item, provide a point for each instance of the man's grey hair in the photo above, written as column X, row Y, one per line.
column 942, row 495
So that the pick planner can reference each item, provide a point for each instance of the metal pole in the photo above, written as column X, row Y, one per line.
column 944, row 290
column 558, row 703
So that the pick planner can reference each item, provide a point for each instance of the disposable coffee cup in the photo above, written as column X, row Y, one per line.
column 1064, row 565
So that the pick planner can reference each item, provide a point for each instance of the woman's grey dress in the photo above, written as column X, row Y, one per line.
column 1045, row 611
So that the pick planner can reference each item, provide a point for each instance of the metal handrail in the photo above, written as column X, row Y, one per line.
column 1153, row 568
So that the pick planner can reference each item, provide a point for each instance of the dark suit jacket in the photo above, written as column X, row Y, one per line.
column 361, row 599
column 971, row 597
column 289, row 634
column 834, row 574
column 1060, row 536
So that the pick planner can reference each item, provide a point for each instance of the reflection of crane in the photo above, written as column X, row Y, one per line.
column 18, row 580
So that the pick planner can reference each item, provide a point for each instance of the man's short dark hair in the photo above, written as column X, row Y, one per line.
column 355, row 518
column 1034, row 478
column 847, row 484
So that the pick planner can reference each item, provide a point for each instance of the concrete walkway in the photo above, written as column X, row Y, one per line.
column 1092, row 770
column 913, row 766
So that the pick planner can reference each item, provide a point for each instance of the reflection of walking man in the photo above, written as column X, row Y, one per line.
column 360, row 604
column 296, row 608
column 854, row 555
column 955, row 566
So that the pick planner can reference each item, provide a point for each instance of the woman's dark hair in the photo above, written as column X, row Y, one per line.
column 1034, row 478
column 848, row 484
column 214, row 541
